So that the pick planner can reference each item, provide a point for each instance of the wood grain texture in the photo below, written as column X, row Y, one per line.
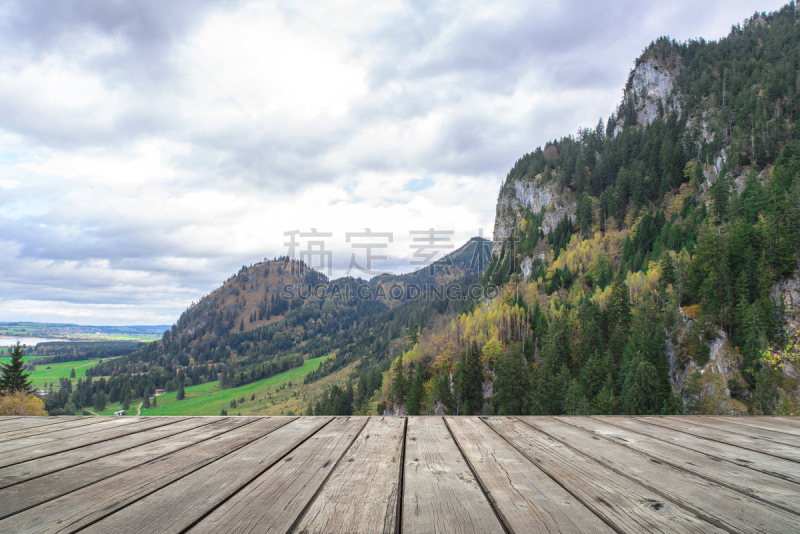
column 12, row 423
column 527, row 499
column 41, row 446
column 362, row 493
column 776, row 424
column 788, row 435
column 440, row 493
column 356, row 474
column 64, row 432
column 791, row 420
column 45, row 430
column 748, row 481
column 273, row 502
column 777, row 467
column 733, row 509
column 177, row 506
column 37, row 491
column 83, row 507
column 731, row 437
column 628, row 506
column 21, row 472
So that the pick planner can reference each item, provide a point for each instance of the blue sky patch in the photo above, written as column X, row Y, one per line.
column 418, row 184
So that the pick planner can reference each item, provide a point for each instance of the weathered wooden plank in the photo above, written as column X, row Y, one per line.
column 765, row 487
column 44, row 430
column 361, row 495
column 527, row 499
column 779, row 450
column 40, row 490
column 440, row 493
column 773, row 425
column 764, row 463
column 758, row 435
column 83, row 507
column 26, row 449
column 793, row 420
column 21, row 472
column 628, row 506
column 177, row 506
column 13, row 423
column 713, row 502
column 272, row 502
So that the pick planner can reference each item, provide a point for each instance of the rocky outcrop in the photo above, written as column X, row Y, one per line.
column 716, row 374
column 788, row 291
column 534, row 196
column 651, row 83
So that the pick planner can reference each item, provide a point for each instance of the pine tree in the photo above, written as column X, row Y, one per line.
column 310, row 409
column 605, row 403
column 442, row 391
column 413, row 335
column 399, row 381
column 592, row 376
column 100, row 401
column 511, row 386
column 181, row 392
column 14, row 378
column 224, row 412
column 641, row 393
column 471, row 383
column 575, row 402
column 146, row 401
column 72, row 374
column 415, row 396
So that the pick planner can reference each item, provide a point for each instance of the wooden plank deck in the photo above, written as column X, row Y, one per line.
column 393, row 475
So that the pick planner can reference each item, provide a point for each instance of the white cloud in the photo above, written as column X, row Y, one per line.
column 174, row 150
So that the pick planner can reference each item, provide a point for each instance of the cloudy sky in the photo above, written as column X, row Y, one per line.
column 149, row 149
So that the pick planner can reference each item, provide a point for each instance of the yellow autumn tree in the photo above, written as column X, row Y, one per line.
column 19, row 403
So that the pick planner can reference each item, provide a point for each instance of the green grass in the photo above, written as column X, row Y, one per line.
column 208, row 399
column 112, row 407
column 43, row 375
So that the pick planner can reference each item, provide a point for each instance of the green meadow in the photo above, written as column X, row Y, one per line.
column 208, row 399
column 42, row 375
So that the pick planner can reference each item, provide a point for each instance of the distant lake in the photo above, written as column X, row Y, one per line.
column 29, row 341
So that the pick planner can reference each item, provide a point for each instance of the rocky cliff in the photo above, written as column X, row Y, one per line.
column 651, row 91
column 529, row 193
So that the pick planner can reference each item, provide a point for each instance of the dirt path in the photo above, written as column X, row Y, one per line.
column 139, row 408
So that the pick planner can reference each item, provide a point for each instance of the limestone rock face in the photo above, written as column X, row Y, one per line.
column 651, row 83
column 537, row 198
column 716, row 374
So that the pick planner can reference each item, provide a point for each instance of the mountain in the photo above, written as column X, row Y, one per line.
column 272, row 315
column 645, row 263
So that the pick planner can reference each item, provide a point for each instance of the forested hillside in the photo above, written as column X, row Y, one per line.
column 274, row 315
column 647, row 261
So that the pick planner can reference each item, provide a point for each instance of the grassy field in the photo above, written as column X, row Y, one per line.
column 88, row 333
column 115, row 406
column 208, row 399
column 42, row 375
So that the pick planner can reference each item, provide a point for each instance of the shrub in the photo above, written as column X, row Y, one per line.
column 20, row 404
